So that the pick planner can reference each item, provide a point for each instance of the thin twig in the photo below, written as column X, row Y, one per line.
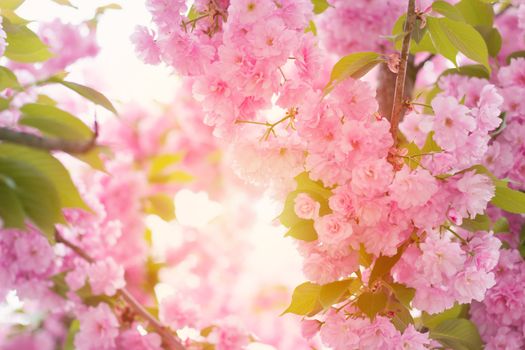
column 422, row 63
column 169, row 340
column 397, row 109
column 46, row 143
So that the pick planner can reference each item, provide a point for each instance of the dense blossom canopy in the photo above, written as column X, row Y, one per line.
column 410, row 224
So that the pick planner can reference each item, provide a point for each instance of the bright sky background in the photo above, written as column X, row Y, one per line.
column 127, row 78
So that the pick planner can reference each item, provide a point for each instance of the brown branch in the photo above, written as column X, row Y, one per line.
column 46, row 143
column 397, row 109
column 387, row 83
column 169, row 340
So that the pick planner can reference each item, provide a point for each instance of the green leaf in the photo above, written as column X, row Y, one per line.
column 24, row 45
column 86, row 294
column 432, row 321
column 312, row 188
column 52, row 121
column 469, row 70
column 384, row 264
column 102, row 9
column 447, row 10
column 372, row 303
column 92, row 158
column 400, row 315
column 420, row 39
column 60, row 286
column 4, row 104
column 311, row 28
column 403, row 293
column 74, row 327
column 515, row 54
column 492, row 38
column 64, row 3
column 8, row 79
column 331, row 293
column 36, row 193
column 457, row 334
column 303, row 230
column 476, row 12
column 177, row 176
column 450, row 37
column 161, row 205
column 479, row 223
column 354, row 66
column 163, row 161
column 364, row 258
column 502, row 225
column 50, row 168
column 88, row 93
column 305, row 184
column 508, row 199
column 304, row 299
column 320, row 6
column 45, row 100
column 11, row 210
column 440, row 40
column 12, row 17
column 10, row 4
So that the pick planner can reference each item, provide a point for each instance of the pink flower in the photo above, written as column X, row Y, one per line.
column 471, row 284
column 474, row 193
column 341, row 333
column 432, row 299
column 484, row 250
column 247, row 12
column 228, row 335
column 412, row 188
column 177, row 313
column 305, row 207
column 341, row 202
column 145, row 45
column 513, row 74
column 355, row 99
column 413, row 340
column 332, row 229
column 441, row 258
column 488, row 109
column 452, row 122
column 380, row 334
column 309, row 328
column 106, row 276
column 372, row 178
column 415, row 127
column 131, row 339
column 270, row 39
column 98, row 329
column 33, row 252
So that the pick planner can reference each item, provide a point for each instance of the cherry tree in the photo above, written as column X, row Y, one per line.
column 390, row 132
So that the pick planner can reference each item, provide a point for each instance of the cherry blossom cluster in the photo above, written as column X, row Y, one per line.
column 376, row 199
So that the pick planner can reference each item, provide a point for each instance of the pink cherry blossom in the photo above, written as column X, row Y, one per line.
column 452, row 123
column 106, row 276
column 98, row 329
column 305, row 207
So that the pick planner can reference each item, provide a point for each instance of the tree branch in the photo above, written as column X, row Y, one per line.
column 397, row 109
column 169, row 340
column 46, row 143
